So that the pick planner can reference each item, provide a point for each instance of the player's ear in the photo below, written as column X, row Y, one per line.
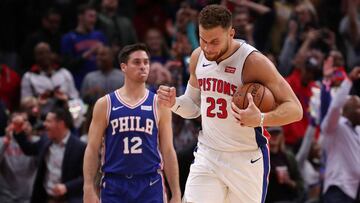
column 122, row 67
column 232, row 32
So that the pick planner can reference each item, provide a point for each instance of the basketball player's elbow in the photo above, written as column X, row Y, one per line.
column 298, row 113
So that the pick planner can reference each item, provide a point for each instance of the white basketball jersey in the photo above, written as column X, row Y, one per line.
column 218, row 83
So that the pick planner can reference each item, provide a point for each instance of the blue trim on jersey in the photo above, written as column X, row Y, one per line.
column 266, row 161
column 131, row 138
column 260, row 138
column 262, row 142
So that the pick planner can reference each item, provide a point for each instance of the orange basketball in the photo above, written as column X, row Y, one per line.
column 262, row 96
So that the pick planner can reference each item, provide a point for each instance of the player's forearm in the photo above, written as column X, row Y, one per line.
column 188, row 105
column 285, row 113
column 91, row 162
column 171, row 169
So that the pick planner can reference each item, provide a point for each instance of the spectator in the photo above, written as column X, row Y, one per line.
column 9, row 87
column 158, row 75
column 303, row 20
column 59, row 177
column 341, row 131
column 31, row 107
column 100, row 82
column 185, row 25
column 243, row 27
column 285, row 182
column 158, row 48
column 119, row 30
column 333, row 75
column 79, row 46
column 46, row 80
column 308, row 159
column 283, row 11
column 49, row 33
column 17, row 170
column 350, row 31
column 302, row 80
column 264, row 15
column 149, row 14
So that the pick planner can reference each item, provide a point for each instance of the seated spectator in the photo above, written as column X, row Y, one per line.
column 17, row 169
column 46, row 80
column 79, row 47
column 9, row 87
column 118, row 29
column 105, row 80
column 285, row 182
column 340, row 131
column 60, row 154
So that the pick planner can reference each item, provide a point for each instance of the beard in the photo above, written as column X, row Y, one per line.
column 217, row 56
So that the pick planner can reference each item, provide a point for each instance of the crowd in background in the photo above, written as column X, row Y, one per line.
column 57, row 57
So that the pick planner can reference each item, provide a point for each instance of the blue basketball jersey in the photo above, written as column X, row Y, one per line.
column 131, row 144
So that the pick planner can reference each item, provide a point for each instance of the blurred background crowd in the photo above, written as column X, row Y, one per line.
column 57, row 57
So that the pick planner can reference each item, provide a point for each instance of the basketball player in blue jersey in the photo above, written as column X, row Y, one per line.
column 232, row 157
column 137, row 140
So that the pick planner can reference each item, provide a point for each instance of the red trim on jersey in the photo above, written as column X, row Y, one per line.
column 266, row 134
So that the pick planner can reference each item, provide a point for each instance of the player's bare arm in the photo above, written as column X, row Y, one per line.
column 258, row 68
column 171, row 168
column 91, row 157
column 192, row 67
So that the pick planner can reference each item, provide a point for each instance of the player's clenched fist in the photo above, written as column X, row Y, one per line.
column 166, row 95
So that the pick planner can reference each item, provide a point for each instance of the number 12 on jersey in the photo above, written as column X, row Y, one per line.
column 135, row 143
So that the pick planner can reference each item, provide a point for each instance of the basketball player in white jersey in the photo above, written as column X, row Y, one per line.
column 232, row 160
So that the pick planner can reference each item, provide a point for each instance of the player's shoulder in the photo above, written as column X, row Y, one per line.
column 256, row 58
column 257, row 66
column 196, row 53
column 102, row 102
column 194, row 59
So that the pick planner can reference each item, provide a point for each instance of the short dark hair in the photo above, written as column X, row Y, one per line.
column 62, row 113
column 215, row 15
column 125, row 52
column 83, row 8
column 50, row 11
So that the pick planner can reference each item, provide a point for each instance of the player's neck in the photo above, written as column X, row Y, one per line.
column 234, row 46
column 132, row 93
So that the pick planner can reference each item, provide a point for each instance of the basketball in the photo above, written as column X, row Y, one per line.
column 262, row 96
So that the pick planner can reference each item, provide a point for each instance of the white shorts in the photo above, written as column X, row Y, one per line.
column 239, row 177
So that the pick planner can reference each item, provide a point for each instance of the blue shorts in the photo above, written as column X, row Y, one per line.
column 147, row 188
